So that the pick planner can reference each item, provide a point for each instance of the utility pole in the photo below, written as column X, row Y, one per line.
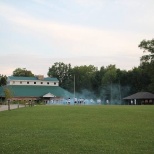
column 111, row 94
column 120, row 91
column 74, row 86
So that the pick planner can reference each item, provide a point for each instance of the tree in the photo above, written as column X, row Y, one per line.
column 62, row 72
column 147, row 46
column 3, row 80
column 107, row 81
column 83, row 76
column 110, row 74
column 147, row 61
column 22, row 72
column 8, row 95
column 121, row 83
column 96, row 82
column 137, row 80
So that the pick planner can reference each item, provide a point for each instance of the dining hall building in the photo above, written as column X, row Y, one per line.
column 37, row 88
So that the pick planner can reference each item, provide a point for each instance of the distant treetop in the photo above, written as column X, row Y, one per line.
column 22, row 72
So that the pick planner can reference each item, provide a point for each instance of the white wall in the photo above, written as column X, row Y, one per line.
column 31, row 83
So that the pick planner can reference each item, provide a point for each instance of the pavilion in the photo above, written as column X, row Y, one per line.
column 140, row 98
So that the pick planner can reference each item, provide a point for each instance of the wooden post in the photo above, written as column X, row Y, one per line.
column 9, row 105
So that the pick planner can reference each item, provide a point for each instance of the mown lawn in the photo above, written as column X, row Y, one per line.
column 78, row 130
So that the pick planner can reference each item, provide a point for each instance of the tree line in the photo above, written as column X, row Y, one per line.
column 107, row 82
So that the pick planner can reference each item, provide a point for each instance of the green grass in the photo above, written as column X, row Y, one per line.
column 77, row 130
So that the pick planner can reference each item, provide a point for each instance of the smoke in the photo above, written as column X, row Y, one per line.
column 111, row 94
column 86, row 94
column 114, row 93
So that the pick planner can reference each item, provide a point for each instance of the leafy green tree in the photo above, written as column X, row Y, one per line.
column 8, row 95
column 3, row 80
column 135, row 80
column 147, row 46
column 62, row 72
column 123, row 81
column 22, row 72
column 83, row 77
column 110, row 74
column 97, row 81
column 147, row 61
column 108, row 80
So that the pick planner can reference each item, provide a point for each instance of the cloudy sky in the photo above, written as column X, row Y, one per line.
column 34, row 34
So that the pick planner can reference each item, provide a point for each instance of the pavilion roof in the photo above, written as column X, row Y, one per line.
column 140, row 95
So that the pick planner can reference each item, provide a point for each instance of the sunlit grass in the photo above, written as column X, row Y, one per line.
column 78, row 129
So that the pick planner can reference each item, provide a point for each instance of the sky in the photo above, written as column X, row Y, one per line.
column 34, row 34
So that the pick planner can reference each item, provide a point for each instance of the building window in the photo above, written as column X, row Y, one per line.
column 13, row 82
column 27, row 82
column 20, row 82
column 34, row 82
column 41, row 82
column 47, row 82
column 54, row 83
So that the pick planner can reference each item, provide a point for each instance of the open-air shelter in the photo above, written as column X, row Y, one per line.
column 140, row 98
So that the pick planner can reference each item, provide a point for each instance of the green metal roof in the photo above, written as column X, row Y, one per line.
column 30, row 78
column 36, row 91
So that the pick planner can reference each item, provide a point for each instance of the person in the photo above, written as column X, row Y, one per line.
column 69, row 101
column 80, row 101
column 107, row 101
column 98, row 101
column 51, row 101
column 84, row 101
column 91, row 101
column 135, row 101
column 75, row 100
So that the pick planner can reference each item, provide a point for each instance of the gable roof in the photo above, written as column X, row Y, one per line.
column 141, row 95
column 36, row 91
column 48, row 95
column 30, row 78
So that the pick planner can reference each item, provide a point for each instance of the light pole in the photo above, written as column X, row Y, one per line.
column 111, row 94
column 74, row 86
column 120, row 91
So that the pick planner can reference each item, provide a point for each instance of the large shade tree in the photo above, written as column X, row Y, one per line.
column 147, row 46
column 62, row 72
column 108, row 79
column 83, row 77
column 97, row 81
column 147, row 61
column 22, row 72
column 3, row 80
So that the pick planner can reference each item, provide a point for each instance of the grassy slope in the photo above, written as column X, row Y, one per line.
column 78, row 129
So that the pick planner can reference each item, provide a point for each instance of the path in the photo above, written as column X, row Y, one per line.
column 12, row 106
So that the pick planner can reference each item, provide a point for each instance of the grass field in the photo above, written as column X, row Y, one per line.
column 78, row 130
